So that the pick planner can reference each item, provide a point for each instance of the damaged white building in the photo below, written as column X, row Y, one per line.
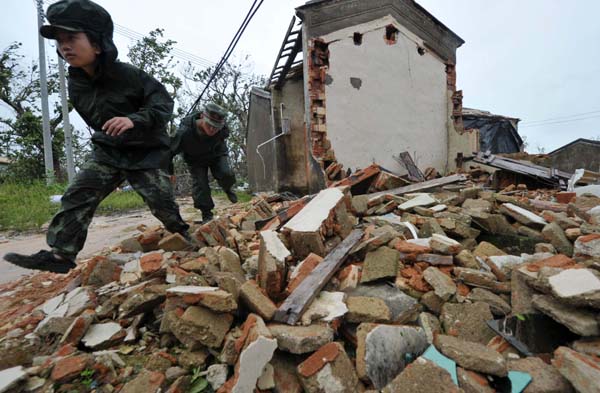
column 355, row 83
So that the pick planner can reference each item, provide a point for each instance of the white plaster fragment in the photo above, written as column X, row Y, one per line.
column 525, row 213
column 78, row 300
column 328, row 382
column 52, row 304
column 327, row 306
column 274, row 245
column 420, row 200
column 252, row 363
column 191, row 289
column 100, row 333
column 216, row 375
column 10, row 376
column 438, row 208
column 573, row 282
column 311, row 217
column 505, row 261
column 591, row 189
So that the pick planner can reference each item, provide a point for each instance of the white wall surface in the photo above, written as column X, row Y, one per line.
column 400, row 106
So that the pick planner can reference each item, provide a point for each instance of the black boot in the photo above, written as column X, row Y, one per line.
column 231, row 196
column 43, row 260
column 207, row 216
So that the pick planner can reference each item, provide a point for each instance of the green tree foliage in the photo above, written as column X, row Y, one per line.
column 21, row 136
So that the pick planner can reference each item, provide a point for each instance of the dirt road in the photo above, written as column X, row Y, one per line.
column 104, row 232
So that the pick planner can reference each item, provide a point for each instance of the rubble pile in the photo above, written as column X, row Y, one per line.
column 457, row 289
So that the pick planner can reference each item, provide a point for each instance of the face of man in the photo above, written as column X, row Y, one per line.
column 207, row 128
column 77, row 49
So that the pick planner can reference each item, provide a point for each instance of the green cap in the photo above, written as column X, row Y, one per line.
column 214, row 115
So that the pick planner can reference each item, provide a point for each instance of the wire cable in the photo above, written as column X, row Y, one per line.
column 251, row 12
column 558, row 122
column 565, row 117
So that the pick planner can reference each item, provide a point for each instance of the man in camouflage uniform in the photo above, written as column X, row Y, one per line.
column 201, row 139
column 128, row 111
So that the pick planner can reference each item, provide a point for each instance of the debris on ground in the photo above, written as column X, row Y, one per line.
column 438, row 285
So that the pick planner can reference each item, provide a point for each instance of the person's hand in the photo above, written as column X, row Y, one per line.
column 117, row 125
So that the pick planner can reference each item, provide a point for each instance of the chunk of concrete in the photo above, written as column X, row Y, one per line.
column 272, row 263
column 578, row 286
column 204, row 325
column 257, row 301
column 581, row 370
column 588, row 246
column 579, row 321
column 498, row 306
column 103, row 335
column 217, row 375
column 329, row 370
column 468, row 321
column 10, row 377
column 422, row 376
column 589, row 346
column 444, row 245
column 554, row 234
column 367, row 309
column 326, row 307
column 381, row 263
column 403, row 308
column 383, row 351
column 442, row 284
column 472, row 356
column 430, row 324
column 472, row 382
column 545, row 378
column 255, row 355
column 301, row 339
column 523, row 216
column 174, row 242
column 145, row 381
column 418, row 200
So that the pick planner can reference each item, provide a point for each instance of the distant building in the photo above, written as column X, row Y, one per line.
column 581, row 153
column 495, row 133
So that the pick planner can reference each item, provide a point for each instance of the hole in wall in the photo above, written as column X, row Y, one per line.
column 391, row 34
column 358, row 38
column 356, row 82
column 420, row 50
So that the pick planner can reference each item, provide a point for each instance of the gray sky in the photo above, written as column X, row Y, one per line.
column 532, row 59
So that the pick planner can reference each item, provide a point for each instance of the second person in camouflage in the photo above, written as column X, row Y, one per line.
column 201, row 139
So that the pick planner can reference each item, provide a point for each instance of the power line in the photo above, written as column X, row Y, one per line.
column 251, row 12
column 558, row 122
column 565, row 117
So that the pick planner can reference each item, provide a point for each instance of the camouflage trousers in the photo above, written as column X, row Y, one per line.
column 68, row 229
column 221, row 171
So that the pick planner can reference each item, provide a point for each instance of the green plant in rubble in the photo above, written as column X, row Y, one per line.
column 87, row 377
column 199, row 383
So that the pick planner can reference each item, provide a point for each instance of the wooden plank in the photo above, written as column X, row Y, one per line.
column 294, row 306
column 442, row 181
column 414, row 172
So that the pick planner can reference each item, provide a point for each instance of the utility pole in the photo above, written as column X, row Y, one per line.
column 48, row 162
column 66, row 123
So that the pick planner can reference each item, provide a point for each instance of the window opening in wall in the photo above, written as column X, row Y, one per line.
column 358, row 38
column 391, row 34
